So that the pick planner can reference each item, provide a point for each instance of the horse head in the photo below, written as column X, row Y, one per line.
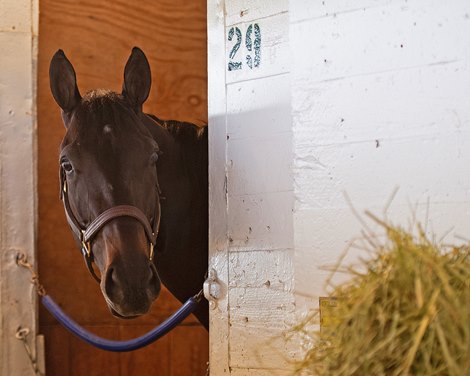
column 108, row 169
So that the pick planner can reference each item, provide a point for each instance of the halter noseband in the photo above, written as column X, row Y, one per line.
column 87, row 234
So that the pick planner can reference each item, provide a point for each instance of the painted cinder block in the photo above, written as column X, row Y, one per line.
column 268, row 159
column 259, row 372
column 258, row 132
column 257, row 109
column 260, row 221
column 369, row 175
column 262, row 269
column 301, row 10
column 238, row 11
column 377, row 106
column 258, row 319
column 16, row 16
column 423, row 32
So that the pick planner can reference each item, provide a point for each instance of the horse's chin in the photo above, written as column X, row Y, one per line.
column 124, row 317
column 131, row 314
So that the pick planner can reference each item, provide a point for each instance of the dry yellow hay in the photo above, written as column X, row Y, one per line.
column 404, row 311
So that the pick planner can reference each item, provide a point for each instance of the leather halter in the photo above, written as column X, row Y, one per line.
column 86, row 235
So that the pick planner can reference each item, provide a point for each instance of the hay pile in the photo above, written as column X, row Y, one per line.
column 405, row 311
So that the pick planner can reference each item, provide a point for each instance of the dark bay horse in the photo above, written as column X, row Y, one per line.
column 134, row 189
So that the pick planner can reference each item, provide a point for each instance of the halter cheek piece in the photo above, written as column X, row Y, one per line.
column 87, row 234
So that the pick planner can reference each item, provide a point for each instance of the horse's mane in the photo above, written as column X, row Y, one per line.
column 184, row 132
column 193, row 139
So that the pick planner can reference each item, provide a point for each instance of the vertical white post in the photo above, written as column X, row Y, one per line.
column 218, row 240
column 18, row 41
column 251, row 187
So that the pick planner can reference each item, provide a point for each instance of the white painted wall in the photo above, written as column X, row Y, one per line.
column 380, row 99
column 356, row 96
column 18, row 41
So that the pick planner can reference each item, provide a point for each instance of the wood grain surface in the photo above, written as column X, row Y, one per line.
column 97, row 36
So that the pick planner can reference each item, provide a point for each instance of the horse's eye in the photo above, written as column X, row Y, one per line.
column 154, row 157
column 67, row 166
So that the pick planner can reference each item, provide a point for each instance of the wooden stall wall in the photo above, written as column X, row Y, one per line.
column 97, row 36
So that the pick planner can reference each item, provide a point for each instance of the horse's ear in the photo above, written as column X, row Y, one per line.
column 63, row 82
column 137, row 79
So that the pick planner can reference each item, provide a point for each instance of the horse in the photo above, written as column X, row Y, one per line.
column 135, row 190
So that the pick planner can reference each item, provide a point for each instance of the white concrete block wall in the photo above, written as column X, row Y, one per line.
column 380, row 99
column 18, row 41
column 355, row 96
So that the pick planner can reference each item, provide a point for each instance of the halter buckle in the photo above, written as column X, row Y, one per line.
column 151, row 253
column 86, row 247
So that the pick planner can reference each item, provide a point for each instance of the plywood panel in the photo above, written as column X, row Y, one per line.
column 151, row 360
column 56, row 342
column 97, row 36
column 189, row 357
column 66, row 355
column 86, row 360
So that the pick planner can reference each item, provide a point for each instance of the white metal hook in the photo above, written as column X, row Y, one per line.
column 211, row 288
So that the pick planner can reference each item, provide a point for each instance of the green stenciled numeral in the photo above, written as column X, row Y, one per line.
column 252, row 44
column 234, row 65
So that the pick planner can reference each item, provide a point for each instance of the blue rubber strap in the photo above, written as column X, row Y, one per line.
column 119, row 346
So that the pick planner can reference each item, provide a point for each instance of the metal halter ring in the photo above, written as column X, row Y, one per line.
column 86, row 246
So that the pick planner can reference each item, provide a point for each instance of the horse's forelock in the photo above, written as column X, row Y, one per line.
column 98, row 95
column 102, row 108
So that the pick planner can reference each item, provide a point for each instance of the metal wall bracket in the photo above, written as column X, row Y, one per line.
column 212, row 288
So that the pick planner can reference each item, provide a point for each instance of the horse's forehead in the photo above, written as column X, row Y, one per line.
column 110, row 123
column 104, row 137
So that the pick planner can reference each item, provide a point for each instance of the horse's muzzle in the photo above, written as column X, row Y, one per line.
column 130, row 293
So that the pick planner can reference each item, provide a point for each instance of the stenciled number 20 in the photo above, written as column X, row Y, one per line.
column 252, row 44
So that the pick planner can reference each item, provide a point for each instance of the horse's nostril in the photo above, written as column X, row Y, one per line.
column 154, row 280
column 113, row 277
column 110, row 282
column 109, row 274
column 106, row 285
column 114, row 285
